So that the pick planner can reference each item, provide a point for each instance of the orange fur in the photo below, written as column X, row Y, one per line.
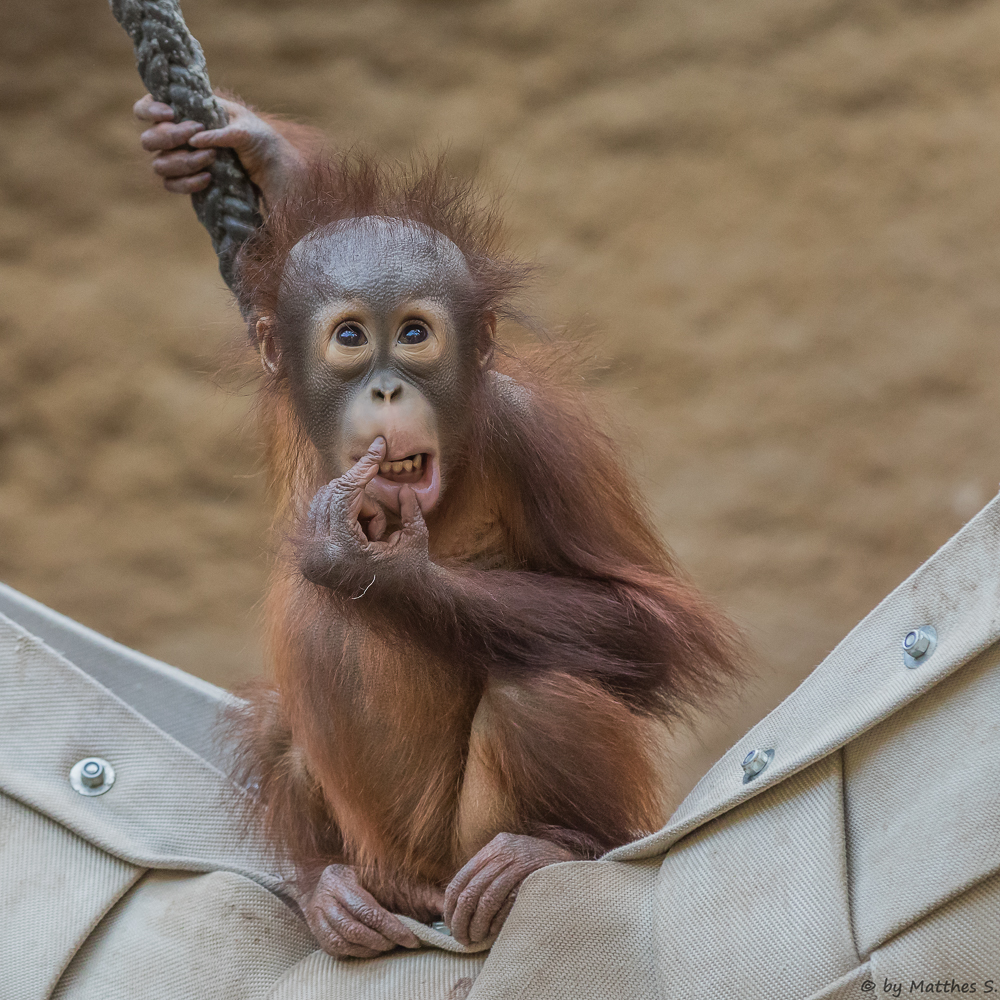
column 556, row 642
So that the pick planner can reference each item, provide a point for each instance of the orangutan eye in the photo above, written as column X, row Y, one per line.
column 350, row 336
column 413, row 333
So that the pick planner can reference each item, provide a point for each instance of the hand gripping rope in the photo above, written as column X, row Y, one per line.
column 172, row 66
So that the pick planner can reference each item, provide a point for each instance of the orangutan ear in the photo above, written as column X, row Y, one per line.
column 270, row 353
column 487, row 339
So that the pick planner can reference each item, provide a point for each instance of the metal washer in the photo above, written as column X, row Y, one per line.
column 756, row 762
column 84, row 785
column 924, row 632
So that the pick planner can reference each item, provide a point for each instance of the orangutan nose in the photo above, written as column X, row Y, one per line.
column 387, row 391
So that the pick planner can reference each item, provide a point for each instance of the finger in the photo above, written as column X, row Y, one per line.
column 374, row 516
column 321, row 508
column 233, row 135
column 167, row 135
column 365, row 469
column 493, row 898
column 188, row 185
column 334, row 944
column 468, row 902
column 233, row 109
column 457, row 885
column 343, row 949
column 409, row 511
column 331, row 510
column 504, row 912
column 148, row 109
column 181, row 162
column 370, row 912
column 353, row 929
column 369, row 506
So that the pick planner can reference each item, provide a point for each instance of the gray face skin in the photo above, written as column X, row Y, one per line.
column 372, row 329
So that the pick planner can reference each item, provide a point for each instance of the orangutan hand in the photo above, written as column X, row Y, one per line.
column 480, row 896
column 344, row 546
column 347, row 920
column 185, row 149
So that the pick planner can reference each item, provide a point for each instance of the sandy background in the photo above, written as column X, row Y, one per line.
column 777, row 217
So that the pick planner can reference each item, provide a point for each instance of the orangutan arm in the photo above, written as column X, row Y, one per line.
column 509, row 624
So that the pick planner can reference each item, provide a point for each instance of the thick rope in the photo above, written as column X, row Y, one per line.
column 172, row 66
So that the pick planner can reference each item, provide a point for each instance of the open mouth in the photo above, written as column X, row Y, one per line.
column 419, row 471
column 409, row 470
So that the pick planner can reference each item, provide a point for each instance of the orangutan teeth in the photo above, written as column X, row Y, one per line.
column 410, row 464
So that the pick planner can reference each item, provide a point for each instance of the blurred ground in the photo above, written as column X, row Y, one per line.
column 776, row 217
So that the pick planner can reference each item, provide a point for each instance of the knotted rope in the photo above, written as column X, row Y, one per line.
column 172, row 66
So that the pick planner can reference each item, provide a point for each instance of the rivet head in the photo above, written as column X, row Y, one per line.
column 755, row 762
column 92, row 776
column 918, row 645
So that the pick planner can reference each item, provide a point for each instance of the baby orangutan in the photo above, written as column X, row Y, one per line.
column 477, row 638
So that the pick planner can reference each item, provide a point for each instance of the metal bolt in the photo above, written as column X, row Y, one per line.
column 755, row 762
column 918, row 645
column 92, row 773
column 91, row 776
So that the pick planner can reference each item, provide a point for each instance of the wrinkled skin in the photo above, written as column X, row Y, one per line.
column 346, row 528
column 481, row 895
column 363, row 405
column 184, row 150
column 350, row 922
